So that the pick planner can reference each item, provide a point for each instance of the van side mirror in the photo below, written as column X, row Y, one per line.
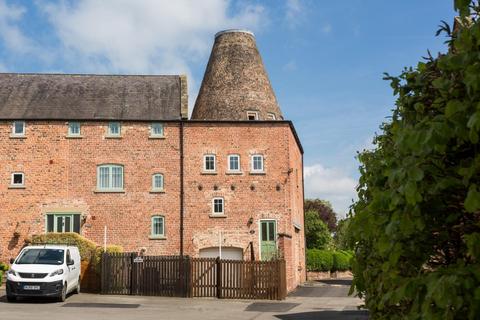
column 70, row 263
column 12, row 260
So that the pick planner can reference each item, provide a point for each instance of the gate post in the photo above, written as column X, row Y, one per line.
column 103, row 274
column 219, row 277
column 132, row 273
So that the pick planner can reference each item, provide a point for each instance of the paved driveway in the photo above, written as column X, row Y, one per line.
column 314, row 301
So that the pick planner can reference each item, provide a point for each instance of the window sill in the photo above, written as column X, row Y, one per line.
column 234, row 173
column 16, row 187
column 113, row 137
column 73, row 137
column 258, row 173
column 157, row 191
column 12, row 136
column 108, row 191
column 157, row 238
column 217, row 215
column 209, row 172
column 156, row 137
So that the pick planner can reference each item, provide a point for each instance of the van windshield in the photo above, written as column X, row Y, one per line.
column 41, row 256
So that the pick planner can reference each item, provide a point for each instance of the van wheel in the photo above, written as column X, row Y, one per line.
column 11, row 298
column 77, row 290
column 63, row 295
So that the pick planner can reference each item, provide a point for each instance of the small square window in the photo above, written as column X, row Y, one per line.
column 257, row 163
column 218, row 206
column 18, row 128
column 114, row 129
column 158, row 226
column 156, row 129
column 209, row 163
column 18, row 179
column 73, row 128
column 252, row 115
column 234, row 162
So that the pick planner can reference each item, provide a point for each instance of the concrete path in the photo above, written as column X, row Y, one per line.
column 313, row 301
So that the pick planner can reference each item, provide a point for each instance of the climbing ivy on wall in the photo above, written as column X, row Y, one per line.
column 416, row 224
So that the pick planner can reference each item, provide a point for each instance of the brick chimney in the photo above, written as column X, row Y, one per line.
column 235, row 85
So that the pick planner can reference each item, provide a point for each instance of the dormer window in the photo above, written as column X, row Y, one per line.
column 252, row 115
column 18, row 128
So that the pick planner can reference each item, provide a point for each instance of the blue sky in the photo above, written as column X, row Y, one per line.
column 325, row 58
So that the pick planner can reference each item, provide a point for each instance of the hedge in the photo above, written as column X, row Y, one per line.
column 89, row 250
column 328, row 260
column 3, row 266
column 319, row 260
column 341, row 261
column 1, row 277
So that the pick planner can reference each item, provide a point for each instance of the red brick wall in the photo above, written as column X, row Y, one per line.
column 60, row 176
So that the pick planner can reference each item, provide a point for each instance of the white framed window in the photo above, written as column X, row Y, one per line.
column 114, row 129
column 157, row 182
column 218, row 206
column 209, row 163
column 18, row 128
column 252, row 115
column 158, row 226
column 234, row 162
column 271, row 116
column 18, row 179
column 156, row 130
column 74, row 128
column 110, row 177
column 257, row 163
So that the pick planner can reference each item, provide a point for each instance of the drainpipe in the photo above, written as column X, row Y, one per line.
column 304, row 237
column 181, row 188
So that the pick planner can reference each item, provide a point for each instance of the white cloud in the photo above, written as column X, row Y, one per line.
column 293, row 13
column 10, row 33
column 144, row 36
column 331, row 184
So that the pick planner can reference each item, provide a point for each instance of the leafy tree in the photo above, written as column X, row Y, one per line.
column 342, row 238
column 316, row 232
column 417, row 221
column 324, row 210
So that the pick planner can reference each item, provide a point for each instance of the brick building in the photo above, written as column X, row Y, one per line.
column 79, row 153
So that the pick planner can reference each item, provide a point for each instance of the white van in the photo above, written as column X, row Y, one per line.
column 46, row 271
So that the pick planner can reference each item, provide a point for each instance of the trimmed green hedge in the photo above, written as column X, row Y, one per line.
column 1, row 277
column 89, row 250
column 319, row 260
column 328, row 260
column 4, row 266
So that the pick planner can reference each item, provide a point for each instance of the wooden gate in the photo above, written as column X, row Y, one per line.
column 176, row 276
column 148, row 276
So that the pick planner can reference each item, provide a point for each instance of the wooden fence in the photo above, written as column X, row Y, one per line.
column 176, row 276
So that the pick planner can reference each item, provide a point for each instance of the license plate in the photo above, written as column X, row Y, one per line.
column 31, row 287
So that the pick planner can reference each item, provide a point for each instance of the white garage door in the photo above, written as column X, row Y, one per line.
column 230, row 253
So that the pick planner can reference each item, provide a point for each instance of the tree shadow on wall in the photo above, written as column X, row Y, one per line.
column 13, row 242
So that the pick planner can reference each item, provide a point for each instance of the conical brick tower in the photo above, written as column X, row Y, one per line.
column 235, row 85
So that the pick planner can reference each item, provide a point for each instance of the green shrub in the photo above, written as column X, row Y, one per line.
column 1, row 277
column 3, row 266
column 86, row 247
column 89, row 250
column 319, row 260
column 341, row 261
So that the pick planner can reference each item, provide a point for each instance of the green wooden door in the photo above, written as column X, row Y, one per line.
column 268, row 239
